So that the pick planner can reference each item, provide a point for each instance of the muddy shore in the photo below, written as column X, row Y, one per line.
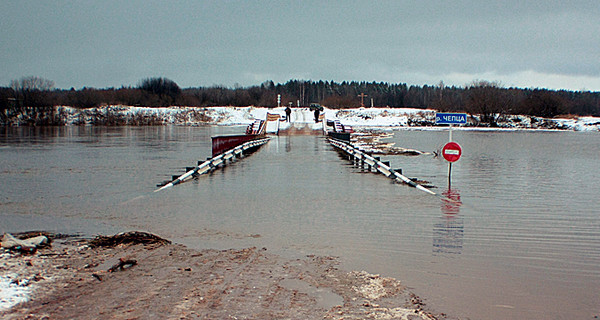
column 73, row 279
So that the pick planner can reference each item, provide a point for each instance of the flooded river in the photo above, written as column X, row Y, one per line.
column 524, row 241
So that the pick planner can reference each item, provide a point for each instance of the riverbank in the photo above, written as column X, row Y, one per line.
column 76, row 279
column 357, row 117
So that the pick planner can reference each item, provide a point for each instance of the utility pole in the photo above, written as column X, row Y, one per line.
column 302, row 92
column 362, row 99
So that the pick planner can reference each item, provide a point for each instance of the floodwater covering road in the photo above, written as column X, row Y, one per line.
column 523, row 243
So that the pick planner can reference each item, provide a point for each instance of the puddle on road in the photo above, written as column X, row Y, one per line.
column 324, row 296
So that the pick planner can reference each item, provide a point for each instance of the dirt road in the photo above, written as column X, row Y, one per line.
column 71, row 280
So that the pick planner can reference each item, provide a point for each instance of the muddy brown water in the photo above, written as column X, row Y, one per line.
column 524, row 242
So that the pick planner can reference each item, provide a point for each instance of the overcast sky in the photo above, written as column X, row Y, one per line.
column 546, row 44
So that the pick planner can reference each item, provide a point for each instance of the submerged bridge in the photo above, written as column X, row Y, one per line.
column 227, row 149
column 221, row 159
column 361, row 158
column 224, row 149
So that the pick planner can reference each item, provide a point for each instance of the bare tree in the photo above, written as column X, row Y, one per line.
column 32, row 83
column 32, row 91
column 166, row 89
column 487, row 100
column 33, row 100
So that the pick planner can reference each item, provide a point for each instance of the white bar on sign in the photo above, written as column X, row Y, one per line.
column 450, row 151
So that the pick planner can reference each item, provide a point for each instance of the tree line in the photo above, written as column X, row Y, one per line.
column 36, row 96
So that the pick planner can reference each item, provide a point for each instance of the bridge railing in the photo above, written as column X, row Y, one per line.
column 211, row 163
column 383, row 168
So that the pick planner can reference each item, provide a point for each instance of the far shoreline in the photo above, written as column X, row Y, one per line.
column 363, row 118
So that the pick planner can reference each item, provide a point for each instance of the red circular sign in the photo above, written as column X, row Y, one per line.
column 451, row 151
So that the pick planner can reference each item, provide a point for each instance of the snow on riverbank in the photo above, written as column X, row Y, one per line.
column 369, row 117
column 360, row 117
column 14, row 289
column 581, row 123
column 11, row 292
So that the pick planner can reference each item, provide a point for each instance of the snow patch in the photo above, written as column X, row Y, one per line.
column 12, row 291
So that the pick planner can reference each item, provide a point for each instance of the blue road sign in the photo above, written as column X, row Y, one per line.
column 450, row 118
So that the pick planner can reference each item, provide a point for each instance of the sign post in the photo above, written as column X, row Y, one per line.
column 452, row 150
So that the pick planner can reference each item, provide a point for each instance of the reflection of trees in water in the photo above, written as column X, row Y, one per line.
column 448, row 232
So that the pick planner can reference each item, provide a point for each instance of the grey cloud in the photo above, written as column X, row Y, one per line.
column 109, row 43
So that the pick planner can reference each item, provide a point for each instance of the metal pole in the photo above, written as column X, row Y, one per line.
column 450, row 163
column 449, row 175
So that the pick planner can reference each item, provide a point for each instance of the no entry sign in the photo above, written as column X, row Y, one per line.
column 451, row 151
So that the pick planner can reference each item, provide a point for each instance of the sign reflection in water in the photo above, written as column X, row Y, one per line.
column 448, row 232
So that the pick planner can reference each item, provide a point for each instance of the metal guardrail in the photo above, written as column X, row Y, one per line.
column 213, row 162
column 377, row 164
